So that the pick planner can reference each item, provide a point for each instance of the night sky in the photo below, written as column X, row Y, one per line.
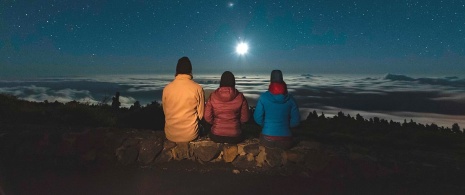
column 80, row 37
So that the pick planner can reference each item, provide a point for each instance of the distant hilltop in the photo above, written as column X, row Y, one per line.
column 446, row 81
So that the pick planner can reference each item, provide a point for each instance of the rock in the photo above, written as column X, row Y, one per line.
column 181, row 151
column 261, row 156
column 167, row 145
column 164, row 156
column 235, row 171
column 131, row 142
column 243, row 163
column 275, row 157
column 250, row 157
column 204, row 150
column 128, row 155
column 128, row 152
column 240, row 148
column 252, row 148
column 295, row 156
column 229, row 153
column 149, row 149
column 219, row 158
column 114, row 140
column 242, row 145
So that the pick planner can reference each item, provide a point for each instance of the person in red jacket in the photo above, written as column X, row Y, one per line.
column 226, row 109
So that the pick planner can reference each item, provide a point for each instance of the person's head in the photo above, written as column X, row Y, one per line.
column 227, row 79
column 184, row 66
column 276, row 76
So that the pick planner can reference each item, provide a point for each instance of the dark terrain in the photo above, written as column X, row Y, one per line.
column 355, row 156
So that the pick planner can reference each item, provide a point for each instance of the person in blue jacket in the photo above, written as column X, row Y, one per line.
column 276, row 112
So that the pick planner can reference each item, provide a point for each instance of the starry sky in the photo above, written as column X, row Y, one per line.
column 57, row 38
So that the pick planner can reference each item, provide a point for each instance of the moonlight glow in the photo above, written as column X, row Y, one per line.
column 242, row 48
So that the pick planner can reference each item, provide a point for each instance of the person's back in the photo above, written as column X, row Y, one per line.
column 226, row 109
column 183, row 104
column 276, row 112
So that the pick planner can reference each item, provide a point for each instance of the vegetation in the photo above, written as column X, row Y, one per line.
column 340, row 129
column 416, row 153
column 407, row 141
column 76, row 114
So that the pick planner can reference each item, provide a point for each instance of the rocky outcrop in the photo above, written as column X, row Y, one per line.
column 145, row 148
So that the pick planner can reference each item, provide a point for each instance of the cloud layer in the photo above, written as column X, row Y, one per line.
column 396, row 97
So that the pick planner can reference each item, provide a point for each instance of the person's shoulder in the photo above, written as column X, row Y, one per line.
column 197, row 85
column 170, row 84
column 265, row 95
column 240, row 95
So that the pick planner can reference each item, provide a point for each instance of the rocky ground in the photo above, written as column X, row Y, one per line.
column 62, row 160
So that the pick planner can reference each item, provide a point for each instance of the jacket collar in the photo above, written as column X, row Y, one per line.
column 184, row 76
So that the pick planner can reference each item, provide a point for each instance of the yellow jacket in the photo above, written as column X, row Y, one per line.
column 183, row 105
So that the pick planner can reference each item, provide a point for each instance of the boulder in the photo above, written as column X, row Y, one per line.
column 181, row 151
column 131, row 142
column 240, row 148
column 252, row 149
column 204, row 150
column 295, row 156
column 250, row 157
column 229, row 153
column 127, row 155
column 260, row 159
column 113, row 140
column 275, row 157
column 149, row 149
column 164, row 156
column 243, row 163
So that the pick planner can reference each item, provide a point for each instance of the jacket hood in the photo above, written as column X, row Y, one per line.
column 278, row 88
column 225, row 94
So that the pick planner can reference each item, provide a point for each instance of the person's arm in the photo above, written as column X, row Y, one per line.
column 259, row 113
column 208, row 116
column 163, row 101
column 201, row 105
column 295, row 114
column 244, row 110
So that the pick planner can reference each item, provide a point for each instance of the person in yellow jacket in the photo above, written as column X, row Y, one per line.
column 183, row 104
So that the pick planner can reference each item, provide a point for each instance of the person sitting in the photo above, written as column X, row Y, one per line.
column 226, row 109
column 183, row 105
column 276, row 112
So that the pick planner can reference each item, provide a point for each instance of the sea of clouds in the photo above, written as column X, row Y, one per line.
column 392, row 97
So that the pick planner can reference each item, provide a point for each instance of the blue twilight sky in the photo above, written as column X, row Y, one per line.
column 81, row 37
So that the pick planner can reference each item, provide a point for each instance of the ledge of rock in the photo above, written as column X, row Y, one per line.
column 146, row 148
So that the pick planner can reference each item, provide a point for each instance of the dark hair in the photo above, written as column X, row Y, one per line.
column 184, row 66
column 227, row 79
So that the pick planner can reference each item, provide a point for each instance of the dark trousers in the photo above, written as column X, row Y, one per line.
column 225, row 139
column 276, row 141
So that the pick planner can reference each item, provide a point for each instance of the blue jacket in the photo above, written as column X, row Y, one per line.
column 276, row 114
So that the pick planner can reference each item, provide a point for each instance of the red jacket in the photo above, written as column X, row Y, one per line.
column 226, row 109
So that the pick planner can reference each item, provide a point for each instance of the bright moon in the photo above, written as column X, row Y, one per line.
column 242, row 48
